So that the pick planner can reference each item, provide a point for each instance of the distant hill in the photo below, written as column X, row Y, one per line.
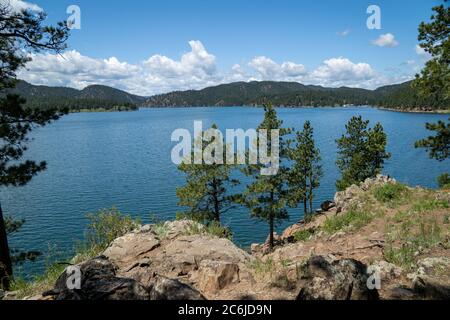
column 91, row 97
column 292, row 94
column 288, row 94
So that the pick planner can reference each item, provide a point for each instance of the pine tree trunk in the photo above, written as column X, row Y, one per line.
column 5, row 259
column 216, row 202
column 305, row 207
column 310, row 195
column 216, row 211
column 271, row 244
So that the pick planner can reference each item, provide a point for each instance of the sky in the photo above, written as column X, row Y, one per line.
column 152, row 47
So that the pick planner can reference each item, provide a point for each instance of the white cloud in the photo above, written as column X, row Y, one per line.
column 19, row 5
column 195, row 69
column 344, row 33
column 386, row 40
column 75, row 70
column 342, row 71
column 268, row 69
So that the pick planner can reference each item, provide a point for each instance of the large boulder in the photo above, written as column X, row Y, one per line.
column 162, row 288
column 131, row 248
column 184, row 254
column 98, row 282
column 432, row 278
column 327, row 279
column 216, row 275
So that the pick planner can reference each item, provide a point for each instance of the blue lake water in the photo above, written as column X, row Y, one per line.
column 100, row 160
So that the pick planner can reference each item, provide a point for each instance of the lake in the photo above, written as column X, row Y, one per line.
column 100, row 160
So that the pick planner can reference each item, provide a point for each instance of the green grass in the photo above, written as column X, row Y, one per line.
column 263, row 266
column 303, row 235
column 39, row 284
column 429, row 205
column 391, row 193
column 352, row 219
column 416, row 230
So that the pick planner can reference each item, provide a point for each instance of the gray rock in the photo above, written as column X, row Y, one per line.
column 328, row 279
column 327, row 205
column 99, row 282
column 432, row 288
column 163, row 288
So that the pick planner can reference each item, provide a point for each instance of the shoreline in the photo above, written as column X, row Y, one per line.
column 446, row 111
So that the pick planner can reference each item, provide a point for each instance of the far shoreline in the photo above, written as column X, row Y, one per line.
column 418, row 111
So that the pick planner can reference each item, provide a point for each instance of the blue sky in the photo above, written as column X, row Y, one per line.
column 319, row 42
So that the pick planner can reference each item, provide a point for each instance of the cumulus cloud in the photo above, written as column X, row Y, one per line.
column 195, row 69
column 342, row 71
column 19, row 5
column 386, row 40
column 75, row 70
column 268, row 69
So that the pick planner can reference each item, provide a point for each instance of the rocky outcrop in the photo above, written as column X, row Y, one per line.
column 98, row 282
column 327, row 279
column 432, row 278
column 347, row 198
column 179, row 260
column 162, row 288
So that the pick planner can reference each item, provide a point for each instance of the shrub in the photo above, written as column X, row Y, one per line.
column 444, row 181
column 104, row 227
column 390, row 192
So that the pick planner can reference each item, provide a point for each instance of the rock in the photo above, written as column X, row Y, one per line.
column 432, row 278
column 434, row 264
column 162, row 288
column 179, row 228
column 98, row 282
column 291, row 230
column 327, row 279
column 386, row 270
column 128, row 250
column 216, row 275
column 346, row 198
column 255, row 248
column 432, row 287
column 185, row 253
column 327, row 205
column 402, row 293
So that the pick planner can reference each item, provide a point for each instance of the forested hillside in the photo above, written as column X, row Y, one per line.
column 93, row 97
column 292, row 94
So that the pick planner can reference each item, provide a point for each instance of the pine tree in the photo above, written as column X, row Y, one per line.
column 306, row 171
column 362, row 152
column 207, row 189
column 438, row 146
column 434, row 81
column 20, row 34
column 267, row 195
